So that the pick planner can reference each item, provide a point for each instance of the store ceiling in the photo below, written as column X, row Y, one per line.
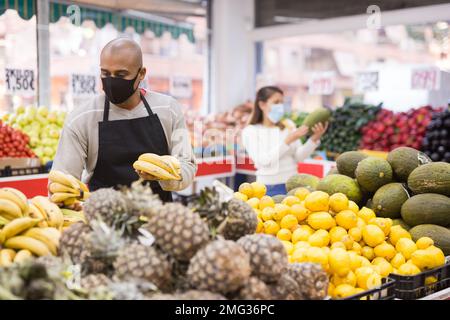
column 272, row 12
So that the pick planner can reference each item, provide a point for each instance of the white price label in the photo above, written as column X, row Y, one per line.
column 366, row 81
column 321, row 83
column 181, row 87
column 426, row 79
column 83, row 85
column 19, row 81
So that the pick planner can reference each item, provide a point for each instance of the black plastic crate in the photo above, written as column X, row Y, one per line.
column 414, row 287
column 14, row 172
column 383, row 292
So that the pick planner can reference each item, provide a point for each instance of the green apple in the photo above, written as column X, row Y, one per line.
column 12, row 119
column 19, row 109
column 52, row 117
column 43, row 111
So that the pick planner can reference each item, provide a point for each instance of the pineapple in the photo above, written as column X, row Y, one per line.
column 311, row 278
column 286, row 288
column 254, row 289
column 141, row 199
column 233, row 219
column 72, row 242
column 136, row 261
column 222, row 267
column 267, row 254
column 178, row 231
column 189, row 295
column 94, row 281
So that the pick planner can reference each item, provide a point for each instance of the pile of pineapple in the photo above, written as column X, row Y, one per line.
column 356, row 248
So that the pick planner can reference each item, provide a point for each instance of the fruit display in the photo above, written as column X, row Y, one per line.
column 346, row 123
column 14, row 143
column 43, row 127
column 390, row 130
column 66, row 189
column 161, row 167
column 436, row 143
column 353, row 246
column 431, row 178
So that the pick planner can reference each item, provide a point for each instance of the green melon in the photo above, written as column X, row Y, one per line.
column 388, row 200
column 372, row 173
column 278, row 198
column 348, row 161
column 319, row 115
column 333, row 171
column 302, row 180
column 335, row 183
column 440, row 235
column 404, row 160
column 431, row 178
column 427, row 208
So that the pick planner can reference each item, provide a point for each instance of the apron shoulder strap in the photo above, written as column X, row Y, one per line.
column 106, row 110
column 149, row 110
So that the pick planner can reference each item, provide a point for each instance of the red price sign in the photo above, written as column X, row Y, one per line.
column 321, row 83
column 426, row 79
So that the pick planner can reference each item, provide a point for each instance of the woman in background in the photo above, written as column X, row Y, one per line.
column 275, row 149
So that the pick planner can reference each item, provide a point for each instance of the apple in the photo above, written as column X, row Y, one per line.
column 42, row 111
column 52, row 117
column 19, row 109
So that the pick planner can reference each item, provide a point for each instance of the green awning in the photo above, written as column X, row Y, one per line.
column 26, row 9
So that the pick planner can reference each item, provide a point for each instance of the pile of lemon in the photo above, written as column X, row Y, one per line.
column 356, row 248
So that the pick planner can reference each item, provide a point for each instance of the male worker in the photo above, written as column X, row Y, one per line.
column 104, row 137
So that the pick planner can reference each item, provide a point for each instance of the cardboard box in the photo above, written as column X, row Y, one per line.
column 19, row 163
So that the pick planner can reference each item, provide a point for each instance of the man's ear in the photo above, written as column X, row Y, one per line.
column 142, row 73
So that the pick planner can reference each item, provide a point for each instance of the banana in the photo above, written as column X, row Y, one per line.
column 36, row 247
column 7, row 257
column 15, row 196
column 174, row 165
column 44, row 237
column 156, row 160
column 86, row 195
column 54, row 233
column 154, row 170
column 36, row 213
column 18, row 226
column 56, row 187
column 69, row 201
column 82, row 185
column 54, row 215
column 60, row 197
column 9, row 209
column 73, row 214
column 64, row 179
column 22, row 256
column 3, row 221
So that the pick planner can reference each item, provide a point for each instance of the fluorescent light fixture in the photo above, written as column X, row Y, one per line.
column 284, row 19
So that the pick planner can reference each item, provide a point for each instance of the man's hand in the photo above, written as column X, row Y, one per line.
column 146, row 176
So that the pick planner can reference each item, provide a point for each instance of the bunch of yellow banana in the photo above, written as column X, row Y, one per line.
column 66, row 189
column 47, row 213
column 161, row 167
column 13, row 204
column 72, row 216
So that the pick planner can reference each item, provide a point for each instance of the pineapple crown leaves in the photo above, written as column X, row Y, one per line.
column 104, row 241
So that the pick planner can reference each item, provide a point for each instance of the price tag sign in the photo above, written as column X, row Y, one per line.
column 181, row 87
column 83, row 85
column 20, row 81
column 426, row 79
column 321, row 83
column 366, row 81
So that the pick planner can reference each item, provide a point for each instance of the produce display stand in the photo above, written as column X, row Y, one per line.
column 31, row 185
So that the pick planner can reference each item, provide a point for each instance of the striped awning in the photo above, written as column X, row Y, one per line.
column 26, row 9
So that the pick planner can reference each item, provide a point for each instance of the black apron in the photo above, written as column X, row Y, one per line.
column 121, row 142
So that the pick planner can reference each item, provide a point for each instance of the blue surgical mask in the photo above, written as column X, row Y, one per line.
column 276, row 112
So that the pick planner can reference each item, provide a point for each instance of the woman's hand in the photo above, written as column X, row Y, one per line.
column 318, row 130
column 296, row 134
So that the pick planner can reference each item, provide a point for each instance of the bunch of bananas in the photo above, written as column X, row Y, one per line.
column 160, row 167
column 71, row 217
column 13, row 205
column 66, row 189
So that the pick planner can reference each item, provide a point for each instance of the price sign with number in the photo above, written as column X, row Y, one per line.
column 181, row 87
column 366, row 81
column 83, row 85
column 20, row 81
column 426, row 79
column 321, row 83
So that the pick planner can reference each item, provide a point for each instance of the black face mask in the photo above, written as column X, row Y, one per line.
column 118, row 90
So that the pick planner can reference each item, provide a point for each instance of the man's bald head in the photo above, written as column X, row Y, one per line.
column 124, row 47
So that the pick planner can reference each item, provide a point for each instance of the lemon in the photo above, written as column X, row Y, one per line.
column 294, row 227
column 406, row 247
column 424, row 242
column 240, row 196
column 253, row 202
column 359, row 290
column 373, row 235
column 355, row 233
column 290, row 259
column 301, row 193
column 350, row 279
column 306, row 227
column 267, row 214
column 299, row 211
column 258, row 213
column 343, row 291
column 280, row 211
column 337, row 233
column 271, row 227
column 385, row 267
column 299, row 255
column 331, row 288
column 317, row 201
column 246, row 189
column 288, row 221
column 360, row 223
column 373, row 281
column 338, row 244
column 368, row 252
column 348, row 242
column 339, row 261
column 353, row 206
column 265, row 202
column 302, row 244
column 316, row 255
column 300, row 234
column 408, row 269
column 356, row 247
column 364, row 261
column 430, row 280
column 362, row 275
column 385, row 250
column 366, row 214
column 260, row 226
column 397, row 232
column 338, row 202
column 288, row 246
column 423, row 259
column 346, row 219
column 284, row 234
column 437, row 254
column 320, row 238
column 383, row 223
column 291, row 200
column 326, row 250
column 398, row 260
column 321, row 220
column 355, row 261
column 259, row 189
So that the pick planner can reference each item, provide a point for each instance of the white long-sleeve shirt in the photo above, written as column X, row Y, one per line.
column 275, row 161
